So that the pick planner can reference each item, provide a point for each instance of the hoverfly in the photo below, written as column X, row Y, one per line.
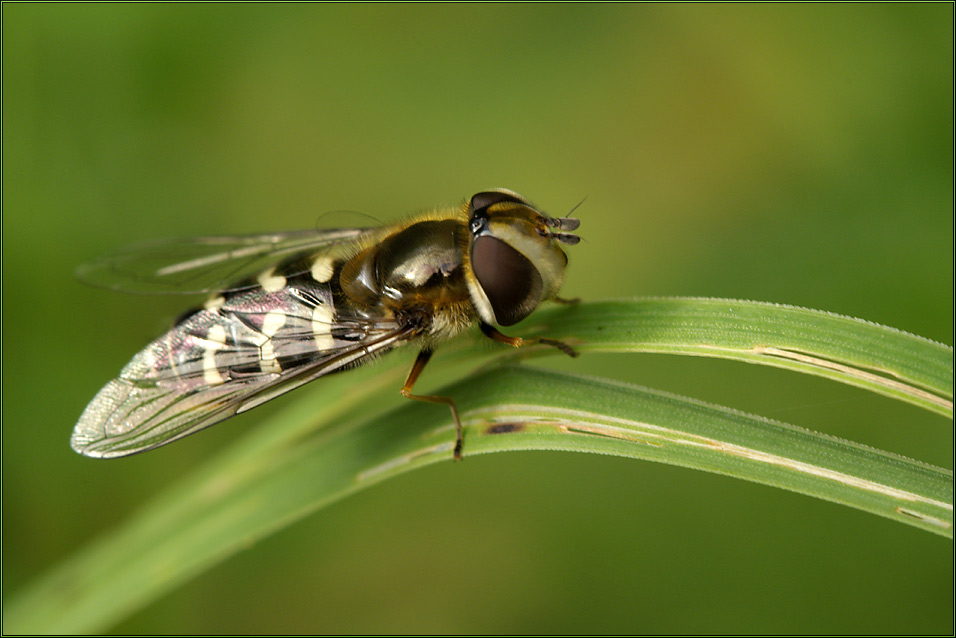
column 309, row 303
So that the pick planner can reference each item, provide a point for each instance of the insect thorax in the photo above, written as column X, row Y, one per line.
column 416, row 274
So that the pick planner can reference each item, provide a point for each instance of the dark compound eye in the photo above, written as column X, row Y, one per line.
column 511, row 283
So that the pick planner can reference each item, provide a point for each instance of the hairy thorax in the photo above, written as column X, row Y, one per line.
column 417, row 276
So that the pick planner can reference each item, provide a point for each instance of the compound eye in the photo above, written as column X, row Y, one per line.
column 509, row 280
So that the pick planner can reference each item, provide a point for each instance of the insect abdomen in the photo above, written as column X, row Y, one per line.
column 241, row 340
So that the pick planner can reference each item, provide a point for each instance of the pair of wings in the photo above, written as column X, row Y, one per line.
column 170, row 389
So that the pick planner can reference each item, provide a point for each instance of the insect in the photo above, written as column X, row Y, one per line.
column 305, row 304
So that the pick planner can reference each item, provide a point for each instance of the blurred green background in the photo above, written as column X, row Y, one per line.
column 801, row 154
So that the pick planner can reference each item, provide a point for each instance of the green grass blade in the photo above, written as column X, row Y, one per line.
column 853, row 351
column 318, row 450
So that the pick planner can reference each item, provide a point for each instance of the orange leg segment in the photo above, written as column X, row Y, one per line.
column 492, row 333
column 423, row 357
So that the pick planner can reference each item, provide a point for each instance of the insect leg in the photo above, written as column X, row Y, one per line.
column 492, row 333
column 416, row 370
column 568, row 302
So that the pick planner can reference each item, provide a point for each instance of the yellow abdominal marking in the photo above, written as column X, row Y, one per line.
column 271, row 282
column 322, row 269
column 214, row 303
column 322, row 327
column 271, row 324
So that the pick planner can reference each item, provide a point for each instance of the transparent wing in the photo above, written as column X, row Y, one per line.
column 220, row 362
column 203, row 264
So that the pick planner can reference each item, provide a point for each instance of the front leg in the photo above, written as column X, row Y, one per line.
column 492, row 333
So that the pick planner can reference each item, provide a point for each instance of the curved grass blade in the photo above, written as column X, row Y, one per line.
column 205, row 519
column 853, row 351
column 291, row 466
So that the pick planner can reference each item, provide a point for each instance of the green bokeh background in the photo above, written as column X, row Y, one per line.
column 793, row 153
